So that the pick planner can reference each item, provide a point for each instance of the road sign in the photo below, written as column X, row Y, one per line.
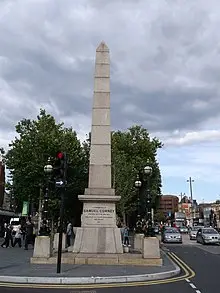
column 59, row 183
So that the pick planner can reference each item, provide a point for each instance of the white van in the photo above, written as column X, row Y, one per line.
column 14, row 222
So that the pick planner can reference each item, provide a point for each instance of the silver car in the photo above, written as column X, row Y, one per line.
column 193, row 232
column 208, row 236
column 184, row 229
column 171, row 235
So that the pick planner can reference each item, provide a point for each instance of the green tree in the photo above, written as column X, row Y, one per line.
column 2, row 154
column 38, row 140
column 131, row 152
column 159, row 217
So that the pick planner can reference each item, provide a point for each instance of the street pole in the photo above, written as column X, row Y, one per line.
column 40, row 209
column 152, row 215
column 60, row 243
column 149, row 215
column 190, row 188
column 139, row 207
column 62, row 189
column 191, row 196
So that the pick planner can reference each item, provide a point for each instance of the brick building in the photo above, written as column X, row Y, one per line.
column 2, row 182
column 169, row 204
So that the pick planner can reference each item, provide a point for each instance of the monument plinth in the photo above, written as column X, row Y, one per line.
column 98, row 232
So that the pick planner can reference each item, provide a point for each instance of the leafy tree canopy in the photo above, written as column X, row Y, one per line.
column 159, row 217
column 38, row 140
column 132, row 150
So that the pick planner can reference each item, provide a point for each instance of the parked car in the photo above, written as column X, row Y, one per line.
column 156, row 229
column 183, row 229
column 193, row 232
column 171, row 235
column 208, row 236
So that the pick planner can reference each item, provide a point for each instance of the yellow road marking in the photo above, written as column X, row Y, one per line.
column 184, row 264
column 188, row 274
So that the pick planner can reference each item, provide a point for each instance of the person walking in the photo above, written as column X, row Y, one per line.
column 126, row 236
column 29, row 235
column 7, row 234
column 69, row 234
column 11, row 234
column 18, row 236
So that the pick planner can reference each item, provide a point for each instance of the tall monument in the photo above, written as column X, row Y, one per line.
column 98, row 232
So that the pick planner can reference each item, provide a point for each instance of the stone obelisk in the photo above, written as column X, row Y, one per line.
column 98, row 232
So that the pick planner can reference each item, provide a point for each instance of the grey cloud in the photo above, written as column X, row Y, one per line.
column 163, row 60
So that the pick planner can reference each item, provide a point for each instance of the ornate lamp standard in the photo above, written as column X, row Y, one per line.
column 142, row 183
column 148, row 172
column 48, row 169
column 138, row 185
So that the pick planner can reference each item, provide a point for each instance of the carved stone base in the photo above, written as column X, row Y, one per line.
column 98, row 240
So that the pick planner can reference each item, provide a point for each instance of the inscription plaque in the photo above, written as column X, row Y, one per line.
column 99, row 215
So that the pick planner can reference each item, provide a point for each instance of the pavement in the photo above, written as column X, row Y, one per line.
column 200, row 274
column 15, row 267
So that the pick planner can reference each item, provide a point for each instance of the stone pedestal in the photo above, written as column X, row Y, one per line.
column 42, row 247
column 151, row 248
column 138, row 239
column 98, row 240
column 56, row 242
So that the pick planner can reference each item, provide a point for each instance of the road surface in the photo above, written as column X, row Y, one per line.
column 203, row 277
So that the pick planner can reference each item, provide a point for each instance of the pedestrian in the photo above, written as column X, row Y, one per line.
column 29, row 235
column 138, row 228
column 44, row 229
column 11, row 235
column 126, row 236
column 122, row 232
column 6, row 236
column 69, row 234
column 18, row 236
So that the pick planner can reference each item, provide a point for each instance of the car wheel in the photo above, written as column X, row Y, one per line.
column 203, row 242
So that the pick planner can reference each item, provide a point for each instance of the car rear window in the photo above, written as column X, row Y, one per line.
column 172, row 231
column 209, row 231
column 15, row 223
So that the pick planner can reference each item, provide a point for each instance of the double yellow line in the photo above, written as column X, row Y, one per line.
column 188, row 273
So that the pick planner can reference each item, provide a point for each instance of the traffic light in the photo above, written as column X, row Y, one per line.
column 60, row 166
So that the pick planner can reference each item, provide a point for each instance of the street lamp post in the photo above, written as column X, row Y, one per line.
column 142, row 181
column 138, row 185
column 148, row 172
column 48, row 169
column 190, row 181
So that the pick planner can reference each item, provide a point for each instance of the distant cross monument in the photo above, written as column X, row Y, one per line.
column 98, row 232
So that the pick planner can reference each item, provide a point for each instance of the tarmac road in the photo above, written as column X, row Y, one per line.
column 172, row 285
column 201, row 274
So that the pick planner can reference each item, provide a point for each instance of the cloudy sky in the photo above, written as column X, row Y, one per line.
column 165, row 73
